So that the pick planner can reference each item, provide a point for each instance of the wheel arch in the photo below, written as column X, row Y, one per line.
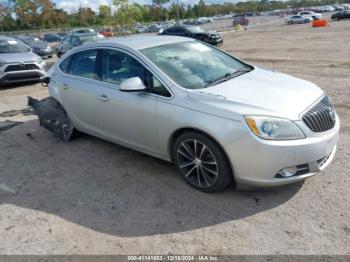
column 180, row 131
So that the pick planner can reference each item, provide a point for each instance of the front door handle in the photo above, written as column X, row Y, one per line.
column 103, row 98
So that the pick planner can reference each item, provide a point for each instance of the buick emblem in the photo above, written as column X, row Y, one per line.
column 331, row 113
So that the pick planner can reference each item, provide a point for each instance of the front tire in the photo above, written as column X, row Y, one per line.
column 201, row 162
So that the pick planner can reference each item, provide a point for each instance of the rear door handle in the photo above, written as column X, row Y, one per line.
column 65, row 86
column 103, row 98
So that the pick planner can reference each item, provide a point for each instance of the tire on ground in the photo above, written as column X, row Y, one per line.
column 224, row 177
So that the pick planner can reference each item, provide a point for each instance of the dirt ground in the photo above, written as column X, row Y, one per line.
column 93, row 197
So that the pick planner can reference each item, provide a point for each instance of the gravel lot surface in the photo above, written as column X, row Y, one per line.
column 93, row 197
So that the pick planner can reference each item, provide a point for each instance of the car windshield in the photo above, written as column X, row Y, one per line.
column 192, row 64
column 195, row 29
column 12, row 46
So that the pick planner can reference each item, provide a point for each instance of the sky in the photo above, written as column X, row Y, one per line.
column 72, row 5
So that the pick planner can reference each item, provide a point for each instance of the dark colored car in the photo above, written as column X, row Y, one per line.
column 341, row 15
column 38, row 46
column 196, row 32
column 51, row 38
column 241, row 20
column 72, row 41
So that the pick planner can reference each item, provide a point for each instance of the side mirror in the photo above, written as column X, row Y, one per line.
column 132, row 84
column 45, row 80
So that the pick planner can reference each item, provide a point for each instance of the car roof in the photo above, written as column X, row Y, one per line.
column 141, row 42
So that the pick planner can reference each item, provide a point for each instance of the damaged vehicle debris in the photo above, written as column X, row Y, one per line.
column 52, row 116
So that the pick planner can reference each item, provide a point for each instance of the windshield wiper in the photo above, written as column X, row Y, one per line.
column 227, row 76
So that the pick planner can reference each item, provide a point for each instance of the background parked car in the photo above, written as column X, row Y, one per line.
column 51, row 38
column 192, row 22
column 140, row 29
column 153, row 28
column 39, row 47
column 240, row 20
column 299, row 19
column 18, row 63
column 196, row 32
column 205, row 20
column 341, row 15
column 106, row 33
column 82, row 31
column 311, row 13
column 72, row 41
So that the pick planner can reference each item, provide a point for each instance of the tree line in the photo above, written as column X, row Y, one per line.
column 40, row 14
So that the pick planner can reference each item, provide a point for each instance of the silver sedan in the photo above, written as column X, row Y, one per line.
column 217, row 118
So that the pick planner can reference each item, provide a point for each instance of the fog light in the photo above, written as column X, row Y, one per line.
column 288, row 171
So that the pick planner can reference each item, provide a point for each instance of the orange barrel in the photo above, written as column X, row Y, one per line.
column 319, row 23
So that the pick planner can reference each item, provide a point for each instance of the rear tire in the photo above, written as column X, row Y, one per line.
column 307, row 21
column 201, row 162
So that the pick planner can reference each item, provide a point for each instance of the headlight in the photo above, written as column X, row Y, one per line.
column 48, row 49
column 274, row 128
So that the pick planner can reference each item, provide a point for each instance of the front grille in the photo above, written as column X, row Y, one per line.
column 21, row 67
column 320, row 117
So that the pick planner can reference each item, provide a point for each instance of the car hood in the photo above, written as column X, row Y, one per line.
column 8, row 58
column 260, row 92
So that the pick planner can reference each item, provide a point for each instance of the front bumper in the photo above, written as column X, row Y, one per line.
column 257, row 162
column 19, row 75
column 216, row 42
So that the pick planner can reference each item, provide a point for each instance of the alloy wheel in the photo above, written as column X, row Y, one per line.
column 197, row 163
